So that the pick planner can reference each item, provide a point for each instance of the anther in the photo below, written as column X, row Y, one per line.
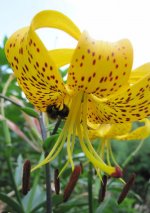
column 81, row 165
column 102, row 190
column 72, row 182
column 26, row 177
column 56, row 181
column 126, row 188
column 117, row 173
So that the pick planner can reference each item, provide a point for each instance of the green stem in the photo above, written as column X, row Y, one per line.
column 56, row 126
column 133, row 153
column 10, row 100
column 90, row 192
column 47, row 167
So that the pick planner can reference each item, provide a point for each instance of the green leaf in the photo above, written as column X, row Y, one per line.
column 30, row 111
column 57, row 199
column 38, row 207
column 3, row 59
column 50, row 142
column 18, row 170
column 10, row 202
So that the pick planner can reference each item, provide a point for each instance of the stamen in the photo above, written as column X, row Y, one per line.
column 107, row 152
column 102, row 191
column 117, row 173
column 56, row 181
column 102, row 148
column 26, row 177
column 72, row 148
column 50, row 157
column 68, row 130
column 72, row 182
column 69, row 151
column 90, row 147
column 89, row 151
column 111, row 154
column 126, row 188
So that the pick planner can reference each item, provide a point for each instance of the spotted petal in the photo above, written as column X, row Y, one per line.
column 36, row 71
column 131, row 104
column 138, row 134
column 110, row 131
column 100, row 67
column 138, row 73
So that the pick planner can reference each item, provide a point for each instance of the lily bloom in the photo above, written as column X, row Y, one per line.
column 120, row 132
column 97, row 90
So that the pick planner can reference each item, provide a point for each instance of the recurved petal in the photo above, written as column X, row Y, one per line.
column 132, row 104
column 119, row 129
column 55, row 19
column 35, row 69
column 137, row 134
column 100, row 67
column 36, row 72
column 61, row 56
column 101, row 132
column 138, row 73
column 111, row 131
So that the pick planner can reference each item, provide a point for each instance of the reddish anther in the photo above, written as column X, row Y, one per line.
column 117, row 173
column 26, row 177
column 72, row 182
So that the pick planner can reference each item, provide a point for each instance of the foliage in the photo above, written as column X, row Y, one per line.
column 26, row 143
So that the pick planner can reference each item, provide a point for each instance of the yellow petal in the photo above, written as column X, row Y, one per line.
column 138, row 134
column 100, row 67
column 118, row 129
column 139, row 73
column 110, row 131
column 131, row 105
column 55, row 19
column 61, row 56
column 35, row 69
column 101, row 132
column 36, row 72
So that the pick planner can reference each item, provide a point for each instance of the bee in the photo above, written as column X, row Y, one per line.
column 54, row 112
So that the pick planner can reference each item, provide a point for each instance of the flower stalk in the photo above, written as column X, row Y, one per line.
column 133, row 153
column 47, row 166
column 47, row 169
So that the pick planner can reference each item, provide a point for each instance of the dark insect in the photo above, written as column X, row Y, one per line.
column 54, row 112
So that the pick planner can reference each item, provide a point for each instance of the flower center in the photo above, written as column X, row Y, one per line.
column 76, row 125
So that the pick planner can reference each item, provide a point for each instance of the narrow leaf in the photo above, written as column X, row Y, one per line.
column 10, row 202
column 30, row 112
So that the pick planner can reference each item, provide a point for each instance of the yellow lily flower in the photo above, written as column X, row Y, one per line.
column 97, row 89
column 109, row 131
column 106, row 132
column 140, row 133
